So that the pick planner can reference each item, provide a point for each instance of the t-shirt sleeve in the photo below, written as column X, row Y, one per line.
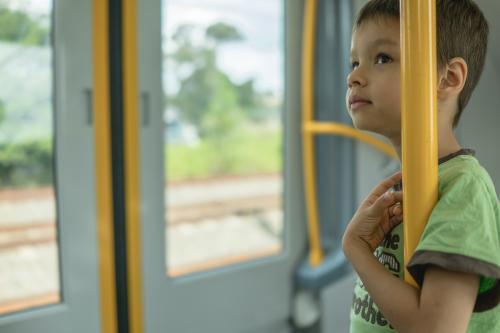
column 463, row 235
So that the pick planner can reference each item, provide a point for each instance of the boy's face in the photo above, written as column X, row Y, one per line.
column 373, row 94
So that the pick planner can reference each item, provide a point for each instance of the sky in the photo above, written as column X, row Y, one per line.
column 260, row 55
column 35, row 7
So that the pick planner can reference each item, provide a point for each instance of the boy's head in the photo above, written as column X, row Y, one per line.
column 462, row 35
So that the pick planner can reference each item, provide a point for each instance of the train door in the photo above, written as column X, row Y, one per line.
column 49, row 278
column 219, row 166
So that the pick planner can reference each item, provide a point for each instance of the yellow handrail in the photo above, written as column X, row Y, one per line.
column 419, row 119
column 347, row 131
column 311, row 128
column 315, row 250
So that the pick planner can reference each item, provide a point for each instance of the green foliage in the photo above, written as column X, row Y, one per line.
column 220, row 110
column 223, row 114
column 17, row 26
column 26, row 164
column 207, row 98
column 244, row 153
column 251, row 103
column 247, row 97
column 221, row 32
column 194, row 95
column 186, row 52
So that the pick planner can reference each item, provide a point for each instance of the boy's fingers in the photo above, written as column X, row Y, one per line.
column 386, row 185
column 396, row 210
column 398, row 196
column 394, row 221
column 383, row 202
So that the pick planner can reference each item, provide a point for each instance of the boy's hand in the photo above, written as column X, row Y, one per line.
column 376, row 216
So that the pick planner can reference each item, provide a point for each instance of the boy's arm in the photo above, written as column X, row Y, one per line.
column 444, row 304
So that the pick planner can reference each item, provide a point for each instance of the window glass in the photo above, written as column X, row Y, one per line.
column 29, row 267
column 223, row 75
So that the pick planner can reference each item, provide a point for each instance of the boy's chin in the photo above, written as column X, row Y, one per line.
column 369, row 127
column 365, row 126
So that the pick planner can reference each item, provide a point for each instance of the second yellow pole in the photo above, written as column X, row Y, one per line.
column 315, row 250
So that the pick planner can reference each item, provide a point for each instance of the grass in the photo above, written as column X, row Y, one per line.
column 243, row 153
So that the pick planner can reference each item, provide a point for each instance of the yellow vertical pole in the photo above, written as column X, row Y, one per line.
column 315, row 250
column 104, row 192
column 419, row 119
column 131, row 133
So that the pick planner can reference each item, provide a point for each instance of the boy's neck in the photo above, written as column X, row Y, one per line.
column 447, row 143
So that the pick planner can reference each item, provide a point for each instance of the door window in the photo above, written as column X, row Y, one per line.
column 224, row 92
column 29, row 266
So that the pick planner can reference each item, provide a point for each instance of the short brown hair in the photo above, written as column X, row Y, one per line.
column 462, row 31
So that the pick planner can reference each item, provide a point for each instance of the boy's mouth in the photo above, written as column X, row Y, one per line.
column 357, row 102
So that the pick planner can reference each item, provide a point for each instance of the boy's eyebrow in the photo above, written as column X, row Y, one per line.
column 382, row 41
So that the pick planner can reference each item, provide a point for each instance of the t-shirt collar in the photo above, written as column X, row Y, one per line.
column 463, row 151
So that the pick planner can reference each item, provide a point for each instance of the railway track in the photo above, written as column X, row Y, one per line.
column 14, row 235
column 188, row 202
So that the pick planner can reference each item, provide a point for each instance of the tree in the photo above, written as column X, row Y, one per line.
column 223, row 114
column 205, row 83
column 186, row 52
column 223, row 33
column 17, row 26
column 248, row 99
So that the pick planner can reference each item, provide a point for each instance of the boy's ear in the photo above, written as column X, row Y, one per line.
column 452, row 78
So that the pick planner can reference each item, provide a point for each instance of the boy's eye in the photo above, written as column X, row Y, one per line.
column 354, row 64
column 383, row 59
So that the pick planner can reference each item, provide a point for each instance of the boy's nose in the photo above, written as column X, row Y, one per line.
column 355, row 78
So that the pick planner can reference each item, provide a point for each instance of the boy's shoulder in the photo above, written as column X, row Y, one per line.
column 466, row 172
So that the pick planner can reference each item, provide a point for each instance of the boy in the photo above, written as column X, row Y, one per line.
column 457, row 262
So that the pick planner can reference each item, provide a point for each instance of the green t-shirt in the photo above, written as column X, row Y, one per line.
column 462, row 234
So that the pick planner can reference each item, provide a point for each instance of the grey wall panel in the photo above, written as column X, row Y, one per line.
column 480, row 124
